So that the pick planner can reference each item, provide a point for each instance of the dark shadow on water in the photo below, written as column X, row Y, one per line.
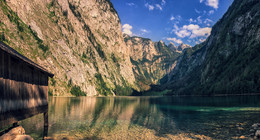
column 20, row 115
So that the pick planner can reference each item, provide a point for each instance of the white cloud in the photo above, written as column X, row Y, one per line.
column 206, row 21
column 191, row 27
column 176, row 27
column 213, row 3
column 192, row 31
column 163, row 2
column 172, row 18
column 144, row 31
column 211, row 12
column 158, row 6
column 197, row 11
column 199, row 19
column 150, row 7
column 179, row 18
column 130, row 4
column 201, row 32
column 192, row 20
column 182, row 33
column 175, row 40
column 127, row 29
column 176, row 19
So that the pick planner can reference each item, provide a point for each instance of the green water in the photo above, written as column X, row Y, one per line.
column 147, row 118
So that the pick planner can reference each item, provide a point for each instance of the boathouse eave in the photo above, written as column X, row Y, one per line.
column 15, row 54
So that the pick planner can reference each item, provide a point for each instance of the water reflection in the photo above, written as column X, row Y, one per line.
column 147, row 118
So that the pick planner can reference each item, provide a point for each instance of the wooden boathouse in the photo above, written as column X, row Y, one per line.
column 23, row 86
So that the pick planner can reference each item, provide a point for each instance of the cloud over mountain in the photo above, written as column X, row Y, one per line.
column 127, row 29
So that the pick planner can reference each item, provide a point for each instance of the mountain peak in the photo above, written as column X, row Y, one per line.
column 171, row 44
column 172, row 47
column 182, row 46
column 179, row 48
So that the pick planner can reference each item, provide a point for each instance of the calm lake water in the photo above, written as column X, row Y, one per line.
column 147, row 118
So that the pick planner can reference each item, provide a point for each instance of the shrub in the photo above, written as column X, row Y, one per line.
column 76, row 91
column 69, row 83
column 65, row 13
column 123, row 90
column 100, row 51
column 2, row 36
column 50, row 93
column 101, row 85
column 53, row 82
column 43, row 47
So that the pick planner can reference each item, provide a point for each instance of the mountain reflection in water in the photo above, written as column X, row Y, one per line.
column 147, row 118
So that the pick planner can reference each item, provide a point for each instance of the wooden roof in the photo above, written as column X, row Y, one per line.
column 14, row 53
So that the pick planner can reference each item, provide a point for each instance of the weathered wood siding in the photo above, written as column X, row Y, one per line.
column 22, row 86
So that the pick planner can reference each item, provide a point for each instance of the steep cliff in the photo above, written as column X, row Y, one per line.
column 151, row 60
column 79, row 41
column 228, row 62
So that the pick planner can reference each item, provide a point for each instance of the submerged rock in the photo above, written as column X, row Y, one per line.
column 256, row 126
column 256, row 130
column 257, row 134
column 17, row 133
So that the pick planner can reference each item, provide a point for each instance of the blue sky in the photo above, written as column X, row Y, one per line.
column 177, row 21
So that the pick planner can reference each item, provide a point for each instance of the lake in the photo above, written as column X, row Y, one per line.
column 147, row 118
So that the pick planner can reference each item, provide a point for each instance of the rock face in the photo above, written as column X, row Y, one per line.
column 151, row 60
column 79, row 41
column 228, row 62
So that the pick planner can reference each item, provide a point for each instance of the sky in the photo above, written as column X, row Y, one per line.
column 177, row 21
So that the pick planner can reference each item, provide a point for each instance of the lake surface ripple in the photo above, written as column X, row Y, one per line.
column 147, row 118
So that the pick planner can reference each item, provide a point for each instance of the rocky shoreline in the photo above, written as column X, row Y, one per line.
column 255, row 131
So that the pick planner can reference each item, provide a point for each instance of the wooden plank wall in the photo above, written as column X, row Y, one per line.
column 22, row 86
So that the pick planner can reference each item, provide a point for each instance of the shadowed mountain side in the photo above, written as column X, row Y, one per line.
column 228, row 62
